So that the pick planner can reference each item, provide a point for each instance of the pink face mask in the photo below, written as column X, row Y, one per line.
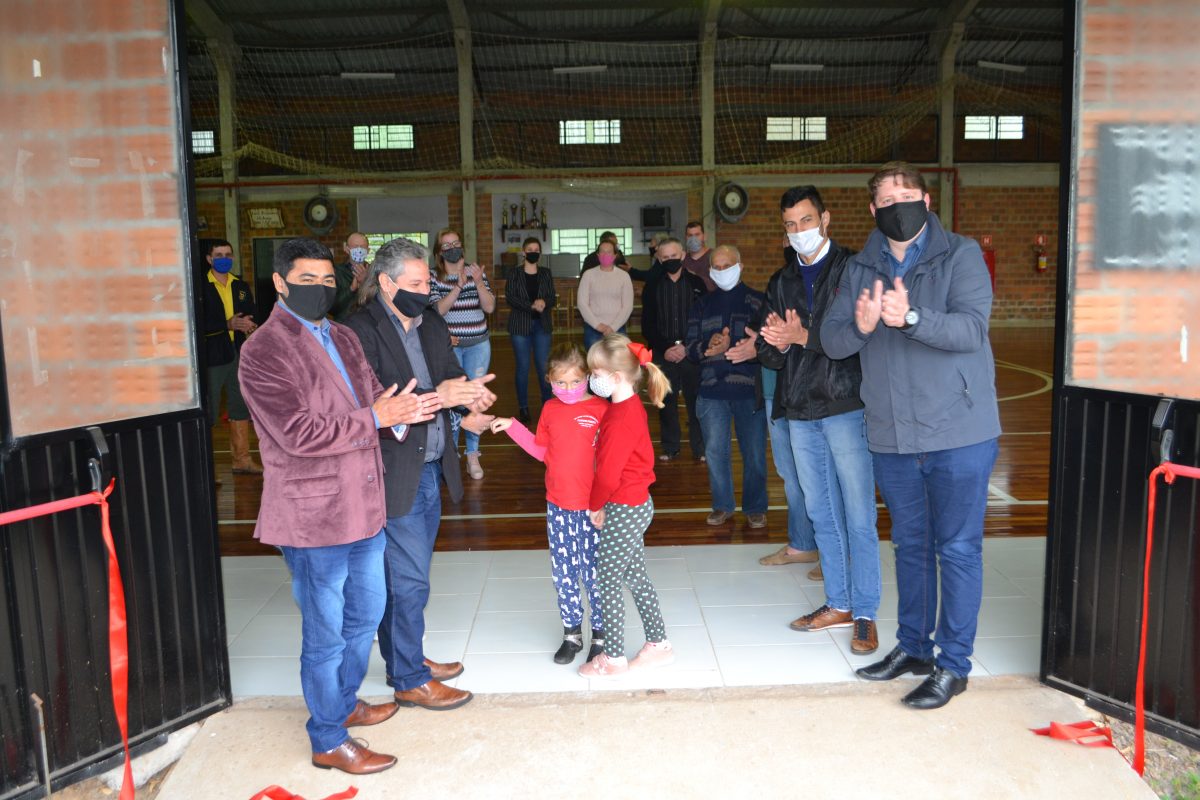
column 570, row 396
column 607, row 259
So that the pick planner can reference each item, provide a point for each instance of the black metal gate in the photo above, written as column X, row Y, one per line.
column 53, row 579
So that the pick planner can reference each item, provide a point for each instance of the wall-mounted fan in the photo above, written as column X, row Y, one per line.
column 731, row 202
column 320, row 215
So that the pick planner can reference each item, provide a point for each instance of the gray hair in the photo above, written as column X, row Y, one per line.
column 390, row 260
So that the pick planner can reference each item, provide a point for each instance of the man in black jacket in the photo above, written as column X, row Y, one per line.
column 403, row 338
column 820, row 399
column 666, row 302
column 228, row 314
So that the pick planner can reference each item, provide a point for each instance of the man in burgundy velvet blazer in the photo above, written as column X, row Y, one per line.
column 318, row 408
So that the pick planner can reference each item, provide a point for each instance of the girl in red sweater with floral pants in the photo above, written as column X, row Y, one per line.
column 620, row 504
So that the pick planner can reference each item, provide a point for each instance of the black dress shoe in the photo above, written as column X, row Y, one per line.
column 523, row 414
column 935, row 691
column 895, row 664
column 571, row 645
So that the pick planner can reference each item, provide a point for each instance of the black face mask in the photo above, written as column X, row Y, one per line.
column 310, row 300
column 672, row 265
column 410, row 304
column 453, row 255
column 532, row 258
column 902, row 221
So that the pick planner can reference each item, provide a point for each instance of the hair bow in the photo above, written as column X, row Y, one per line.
column 643, row 353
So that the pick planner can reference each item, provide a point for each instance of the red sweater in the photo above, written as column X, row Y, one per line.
column 624, row 456
column 565, row 441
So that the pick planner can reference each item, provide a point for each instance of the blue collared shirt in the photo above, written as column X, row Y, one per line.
column 321, row 332
column 911, row 255
column 411, row 339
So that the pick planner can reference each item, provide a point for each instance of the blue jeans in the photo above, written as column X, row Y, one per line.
column 800, row 527
column 750, row 425
column 937, row 501
column 474, row 359
column 834, row 466
column 591, row 335
column 410, row 541
column 341, row 594
column 537, row 346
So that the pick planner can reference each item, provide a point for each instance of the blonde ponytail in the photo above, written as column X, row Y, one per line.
column 657, row 384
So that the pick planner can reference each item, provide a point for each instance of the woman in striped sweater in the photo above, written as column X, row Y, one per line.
column 464, row 297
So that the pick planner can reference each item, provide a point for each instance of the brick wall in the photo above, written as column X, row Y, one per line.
column 1138, row 67
column 95, row 308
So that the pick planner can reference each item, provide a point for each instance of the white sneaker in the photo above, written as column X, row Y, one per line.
column 653, row 654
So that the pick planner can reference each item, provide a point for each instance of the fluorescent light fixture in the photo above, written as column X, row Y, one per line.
column 580, row 70
column 1000, row 67
column 797, row 67
column 368, row 76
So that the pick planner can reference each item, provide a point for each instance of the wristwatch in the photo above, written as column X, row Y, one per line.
column 911, row 317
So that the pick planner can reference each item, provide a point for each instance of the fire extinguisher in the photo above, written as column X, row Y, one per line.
column 989, row 257
column 1042, row 262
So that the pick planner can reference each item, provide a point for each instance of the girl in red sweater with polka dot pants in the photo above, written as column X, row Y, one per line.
column 620, row 506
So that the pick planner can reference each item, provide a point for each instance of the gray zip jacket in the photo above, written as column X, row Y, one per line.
column 932, row 386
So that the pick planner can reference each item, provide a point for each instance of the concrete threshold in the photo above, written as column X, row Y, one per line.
column 851, row 740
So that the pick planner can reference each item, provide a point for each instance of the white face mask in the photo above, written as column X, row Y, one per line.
column 601, row 385
column 807, row 243
column 727, row 278
column 358, row 254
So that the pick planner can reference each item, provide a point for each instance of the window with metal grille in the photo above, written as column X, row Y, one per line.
column 589, row 131
column 204, row 142
column 383, row 137
column 378, row 240
column 584, row 240
column 796, row 129
column 994, row 127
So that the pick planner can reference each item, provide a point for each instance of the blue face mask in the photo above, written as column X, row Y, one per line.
column 358, row 254
column 222, row 265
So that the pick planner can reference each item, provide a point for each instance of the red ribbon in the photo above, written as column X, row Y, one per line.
column 1086, row 733
column 118, row 645
column 1169, row 472
column 643, row 353
column 280, row 793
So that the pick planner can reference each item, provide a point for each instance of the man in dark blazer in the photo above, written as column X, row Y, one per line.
column 318, row 408
column 228, row 318
column 405, row 339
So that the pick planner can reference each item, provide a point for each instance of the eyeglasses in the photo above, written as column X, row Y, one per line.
column 450, row 245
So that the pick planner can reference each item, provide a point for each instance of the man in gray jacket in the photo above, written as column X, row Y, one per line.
column 914, row 304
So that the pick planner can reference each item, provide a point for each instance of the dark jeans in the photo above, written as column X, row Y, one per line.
column 341, row 595
column 937, row 502
column 535, row 346
column 410, row 541
column 591, row 335
column 684, row 376
column 750, row 424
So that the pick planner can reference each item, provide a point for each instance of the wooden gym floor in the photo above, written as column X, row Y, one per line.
column 506, row 510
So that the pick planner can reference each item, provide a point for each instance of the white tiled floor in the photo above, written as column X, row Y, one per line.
column 726, row 615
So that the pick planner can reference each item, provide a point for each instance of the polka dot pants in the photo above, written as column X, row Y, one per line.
column 573, row 564
column 622, row 560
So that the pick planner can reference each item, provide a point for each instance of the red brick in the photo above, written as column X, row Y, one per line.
column 141, row 58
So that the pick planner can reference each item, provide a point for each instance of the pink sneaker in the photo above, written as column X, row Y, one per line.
column 654, row 654
column 604, row 667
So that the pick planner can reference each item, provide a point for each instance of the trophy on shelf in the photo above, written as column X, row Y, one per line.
column 512, row 207
column 503, row 216
column 543, row 221
column 524, row 209
column 533, row 203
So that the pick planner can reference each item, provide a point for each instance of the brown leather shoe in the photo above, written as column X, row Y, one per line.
column 444, row 672
column 866, row 637
column 757, row 520
column 367, row 714
column 718, row 517
column 435, row 695
column 354, row 758
column 782, row 556
column 824, row 617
